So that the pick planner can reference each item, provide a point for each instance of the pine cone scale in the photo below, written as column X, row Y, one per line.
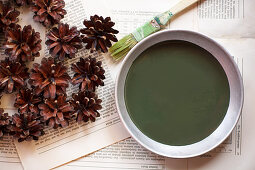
column 66, row 108
column 77, row 79
column 52, row 90
column 60, row 116
column 56, row 50
column 18, row 80
column 41, row 11
column 54, row 44
column 4, row 80
column 45, row 83
column 61, row 81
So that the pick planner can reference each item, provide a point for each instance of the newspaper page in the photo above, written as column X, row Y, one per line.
column 62, row 145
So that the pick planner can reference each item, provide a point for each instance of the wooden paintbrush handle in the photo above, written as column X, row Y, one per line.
column 183, row 4
column 162, row 19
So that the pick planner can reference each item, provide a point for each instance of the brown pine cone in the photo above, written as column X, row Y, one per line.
column 88, row 73
column 8, row 16
column 63, row 42
column 48, row 12
column 50, row 77
column 99, row 33
column 22, row 45
column 13, row 75
column 27, row 102
column 56, row 112
column 23, row 2
column 86, row 105
column 26, row 126
column 5, row 120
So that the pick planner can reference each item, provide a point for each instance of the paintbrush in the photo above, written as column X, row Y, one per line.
column 124, row 45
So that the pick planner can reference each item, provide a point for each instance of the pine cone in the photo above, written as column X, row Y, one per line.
column 63, row 42
column 12, row 75
column 8, row 16
column 86, row 105
column 99, row 33
column 22, row 45
column 27, row 102
column 26, row 126
column 48, row 12
column 56, row 112
column 23, row 2
column 4, row 122
column 88, row 73
column 50, row 77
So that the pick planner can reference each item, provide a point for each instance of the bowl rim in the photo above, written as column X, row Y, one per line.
column 235, row 85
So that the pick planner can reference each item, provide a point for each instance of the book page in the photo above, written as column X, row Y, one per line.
column 237, row 152
column 124, row 155
column 226, row 18
column 127, row 154
column 9, row 158
column 62, row 145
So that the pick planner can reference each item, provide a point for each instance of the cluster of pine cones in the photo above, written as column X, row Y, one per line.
column 41, row 97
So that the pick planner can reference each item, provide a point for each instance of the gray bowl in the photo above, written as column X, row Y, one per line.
column 233, row 112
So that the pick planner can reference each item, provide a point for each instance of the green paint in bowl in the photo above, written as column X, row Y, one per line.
column 176, row 93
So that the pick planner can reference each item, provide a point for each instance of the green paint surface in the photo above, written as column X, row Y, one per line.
column 176, row 93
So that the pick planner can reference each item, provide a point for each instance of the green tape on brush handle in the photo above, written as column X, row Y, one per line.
column 152, row 26
column 145, row 30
